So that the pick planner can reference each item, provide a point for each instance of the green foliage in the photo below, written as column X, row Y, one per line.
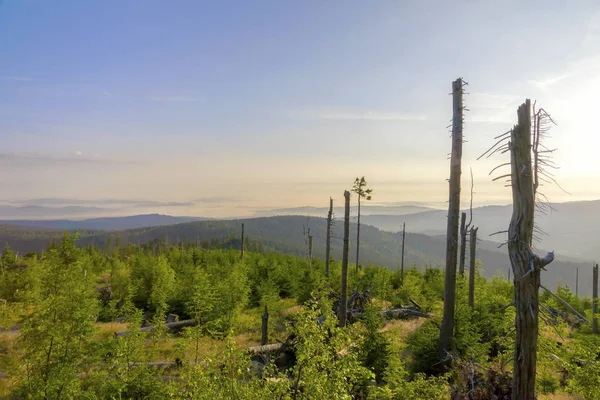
column 57, row 330
column 327, row 364
column 58, row 297
column 375, row 348
column 401, row 386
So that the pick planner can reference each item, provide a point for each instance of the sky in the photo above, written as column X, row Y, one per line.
column 226, row 107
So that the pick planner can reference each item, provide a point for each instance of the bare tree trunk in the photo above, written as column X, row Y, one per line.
column 344, row 294
column 264, row 337
column 242, row 251
column 595, row 300
column 577, row 282
column 463, row 244
column 310, row 241
column 473, row 251
column 447, row 328
column 525, row 264
column 358, row 234
column 402, row 259
column 509, row 274
column 328, row 240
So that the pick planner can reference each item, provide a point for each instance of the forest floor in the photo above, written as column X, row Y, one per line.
column 247, row 334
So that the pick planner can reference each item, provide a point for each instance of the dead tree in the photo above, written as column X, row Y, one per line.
column 525, row 263
column 595, row 299
column 344, row 291
column 464, row 229
column 463, row 244
column 402, row 259
column 328, row 238
column 242, row 251
column 264, row 337
column 447, row 328
column 310, row 247
column 473, row 251
column 577, row 283
column 359, row 188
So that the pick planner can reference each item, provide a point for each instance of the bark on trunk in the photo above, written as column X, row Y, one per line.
column 402, row 260
column 595, row 300
column 264, row 337
column 344, row 291
column 463, row 244
column 525, row 264
column 328, row 240
column 473, row 253
column 358, row 234
column 310, row 241
column 447, row 328
column 577, row 283
column 242, row 251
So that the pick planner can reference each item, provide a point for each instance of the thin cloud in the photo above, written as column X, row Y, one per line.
column 101, row 203
column 219, row 199
column 107, row 94
column 17, row 78
column 546, row 83
column 10, row 159
column 491, row 107
column 176, row 99
column 355, row 115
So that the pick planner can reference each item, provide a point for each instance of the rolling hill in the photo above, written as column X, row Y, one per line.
column 104, row 224
column 285, row 234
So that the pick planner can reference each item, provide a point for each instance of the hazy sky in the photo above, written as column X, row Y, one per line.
column 229, row 106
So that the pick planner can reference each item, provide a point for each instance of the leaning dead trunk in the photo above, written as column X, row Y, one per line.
column 344, row 291
column 328, row 240
column 447, row 328
column 525, row 264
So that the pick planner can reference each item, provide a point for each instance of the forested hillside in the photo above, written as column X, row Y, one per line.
column 285, row 234
column 62, row 310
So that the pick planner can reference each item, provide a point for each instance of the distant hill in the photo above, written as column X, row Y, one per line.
column 365, row 210
column 285, row 234
column 572, row 228
column 104, row 224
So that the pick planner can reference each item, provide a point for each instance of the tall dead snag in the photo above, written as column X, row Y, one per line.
column 328, row 238
column 359, row 188
column 577, row 283
column 526, row 265
column 310, row 242
column 264, row 337
column 402, row 259
column 242, row 251
column 463, row 244
column 595, row 300
column 447, row 328
column 344, row 292
column 473, row 251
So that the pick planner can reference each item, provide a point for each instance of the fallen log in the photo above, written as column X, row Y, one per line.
column 268, row 348
column 403, row 313
column 567, row 305
column 169, row 325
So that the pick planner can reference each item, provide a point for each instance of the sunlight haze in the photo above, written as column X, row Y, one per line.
column 223, row 109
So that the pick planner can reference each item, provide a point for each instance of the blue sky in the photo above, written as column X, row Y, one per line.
column 265, row 104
